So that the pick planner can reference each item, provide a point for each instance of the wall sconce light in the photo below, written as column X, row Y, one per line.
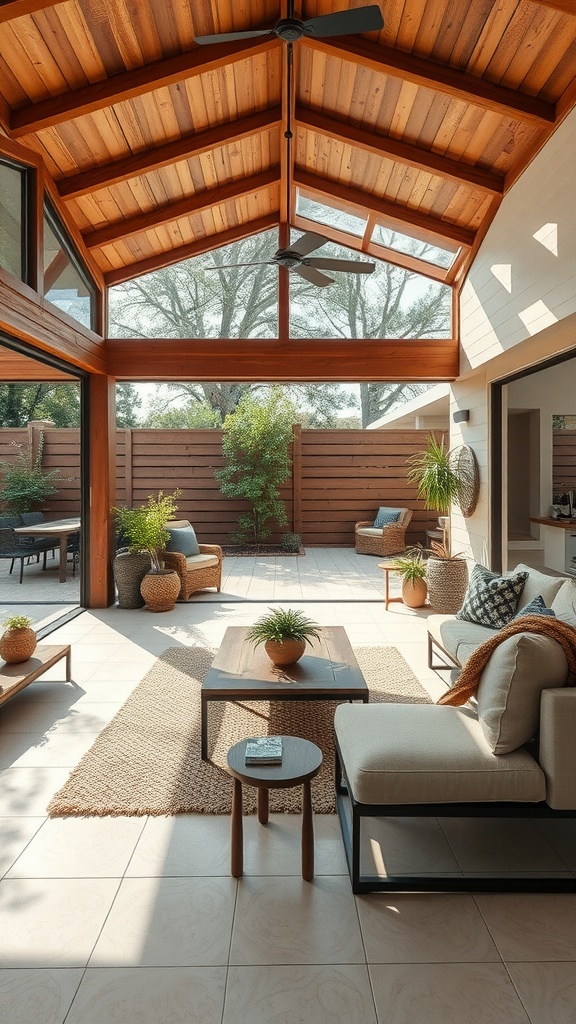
column 461, row 416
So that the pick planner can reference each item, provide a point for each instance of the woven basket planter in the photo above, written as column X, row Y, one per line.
column 447, row 583
column 17, row 645
column 160, row 590
column 129, row 571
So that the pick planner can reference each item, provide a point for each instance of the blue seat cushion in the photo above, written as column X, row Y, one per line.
column 183, row 539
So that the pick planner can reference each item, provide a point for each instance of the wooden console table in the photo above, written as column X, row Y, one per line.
column 15, row 677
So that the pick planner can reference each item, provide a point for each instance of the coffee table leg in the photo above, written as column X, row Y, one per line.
column 307, row 834
column 203, row 729
column 262, row 805
column 237, row 844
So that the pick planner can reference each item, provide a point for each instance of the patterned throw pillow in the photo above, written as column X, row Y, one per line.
column 385, row 516
column 183, row 540
column 535, row 607
column 491, row 600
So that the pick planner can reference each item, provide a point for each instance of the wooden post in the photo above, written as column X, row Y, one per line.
column 102, row 462
column 297, row 478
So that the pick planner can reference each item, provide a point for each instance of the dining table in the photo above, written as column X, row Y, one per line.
column 60, row 530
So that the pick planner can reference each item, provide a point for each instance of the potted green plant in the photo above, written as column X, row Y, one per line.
column 411, row 567
column 143, row 531
column 438, row 485
column 284, row 633
column 18, row 642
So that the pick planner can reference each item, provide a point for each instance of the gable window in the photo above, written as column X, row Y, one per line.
column 13, row 246
column 66, row 283
column 412, row 246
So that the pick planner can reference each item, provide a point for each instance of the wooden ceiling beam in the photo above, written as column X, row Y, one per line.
column 128, row 84
column 170, row 153
column 271, row 360
column 11, row 9
column 564, row 6
column 187, row 252
column 428, row 229
column 385, row 146
column 429, row 75
column 184, row 208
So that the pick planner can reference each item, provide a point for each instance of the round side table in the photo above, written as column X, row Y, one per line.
column 301, row 762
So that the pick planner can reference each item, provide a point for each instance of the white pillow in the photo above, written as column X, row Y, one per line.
column 564, row 604
column 538, row 584
column 510, row 688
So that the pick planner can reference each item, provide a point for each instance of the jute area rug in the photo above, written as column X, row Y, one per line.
column 147, row 760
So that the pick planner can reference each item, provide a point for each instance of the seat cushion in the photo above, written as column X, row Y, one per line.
column 426, row 753
column 491, row 600
column 201, row 561
column 457, row 636
column 182, row 539
column 369, row 531
column 511, row 685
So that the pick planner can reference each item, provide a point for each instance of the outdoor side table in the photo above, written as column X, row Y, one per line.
column 301, row 762
column 388, row 567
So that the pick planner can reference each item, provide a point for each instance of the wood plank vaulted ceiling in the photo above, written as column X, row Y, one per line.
column 162, row 148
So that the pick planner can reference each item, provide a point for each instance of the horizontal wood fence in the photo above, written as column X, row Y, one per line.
column 338, row 477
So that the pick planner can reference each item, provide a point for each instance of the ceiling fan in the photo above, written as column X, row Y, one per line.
column 295, row 257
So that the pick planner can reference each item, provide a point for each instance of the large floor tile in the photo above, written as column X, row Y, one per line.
column 35, row 996
column 15, row 834
column 79, row 848
column 561, row 835
column 403, row 846
column 305, row 994
column 52, row 922
column 48, row 718
column 531, row 926
column 188, row 844
column 162, row 922
column 500, row 844
column 548, row 991
column 154, row 995
column 445, row 994
column 51, row 750
column 28, row 791
column 276, row 848
column 424, row 928
column 290, row 921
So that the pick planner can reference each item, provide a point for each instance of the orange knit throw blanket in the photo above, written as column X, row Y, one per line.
column 467, row 683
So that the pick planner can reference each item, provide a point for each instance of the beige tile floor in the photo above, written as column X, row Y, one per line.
column 137, row 920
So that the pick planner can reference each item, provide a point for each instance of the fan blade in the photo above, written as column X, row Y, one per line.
column 343, row 23
column 230, row 37
column 225, row 266
column 312, row 275
column 307, row 243
column 348, row 266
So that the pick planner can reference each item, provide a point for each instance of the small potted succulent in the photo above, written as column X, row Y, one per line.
column 284, row 633
column 411, row 567
column 18, row 642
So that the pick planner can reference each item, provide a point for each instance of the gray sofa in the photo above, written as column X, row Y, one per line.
column 511, row 753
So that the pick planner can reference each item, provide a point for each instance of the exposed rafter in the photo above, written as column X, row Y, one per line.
column 187, row 252
column 180, row 149
column 11, row 9
column 129, row 84
column 183, row 208
column 385, row 146
column 448, row 80
column 564, row 6
column 429, row 228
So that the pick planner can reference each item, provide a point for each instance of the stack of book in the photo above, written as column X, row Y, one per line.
column 264, row 750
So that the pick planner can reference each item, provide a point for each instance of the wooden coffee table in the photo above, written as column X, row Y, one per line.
column 301, row 762
column 327, row 671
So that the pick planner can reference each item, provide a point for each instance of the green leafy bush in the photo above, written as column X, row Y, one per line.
column 26, row 485
column 143, row 529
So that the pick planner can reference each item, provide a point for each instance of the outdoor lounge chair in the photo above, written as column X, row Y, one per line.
column 385, row 540
column 197, row 571
column 11, row 548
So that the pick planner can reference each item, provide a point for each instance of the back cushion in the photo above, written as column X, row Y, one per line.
column 539, row 584
column 491, row 600
column 385, row 516
column 564, row 604
column 182, row 540
column 510, row 687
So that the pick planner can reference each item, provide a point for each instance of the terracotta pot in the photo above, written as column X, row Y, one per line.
column 18, row 644
column 160, row 590
column 286, row 652
column 414, row 593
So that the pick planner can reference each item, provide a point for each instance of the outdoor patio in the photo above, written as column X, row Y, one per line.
column 145, row 922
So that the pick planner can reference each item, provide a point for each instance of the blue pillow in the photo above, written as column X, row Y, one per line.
column 385, row 516
column 183, row 540
column 491, row 600
column 535, row 607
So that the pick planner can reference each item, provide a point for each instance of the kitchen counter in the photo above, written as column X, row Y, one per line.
column 558, row 524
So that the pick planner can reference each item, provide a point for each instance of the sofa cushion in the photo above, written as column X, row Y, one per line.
column 385, row 516
column 534, row 607
column 538, row 584
column 511, row 685
column 564, row 604
column 182, row 539
column 457, row 637
column 425, row 753
column 491, row 600
column 201, row 561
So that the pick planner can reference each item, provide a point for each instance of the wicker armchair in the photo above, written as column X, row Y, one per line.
column 196, row 572
column 384, row 540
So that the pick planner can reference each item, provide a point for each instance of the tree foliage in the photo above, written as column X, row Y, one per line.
column 26, row 485
column 256, row 447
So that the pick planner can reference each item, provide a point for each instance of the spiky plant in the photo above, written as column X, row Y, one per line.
column 411, row 566
column 438, row 484
column 283, row 624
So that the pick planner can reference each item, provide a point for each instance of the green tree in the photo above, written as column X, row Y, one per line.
column 26, row 485
column 59, row 403
column 128, row 405
column 256, row 448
